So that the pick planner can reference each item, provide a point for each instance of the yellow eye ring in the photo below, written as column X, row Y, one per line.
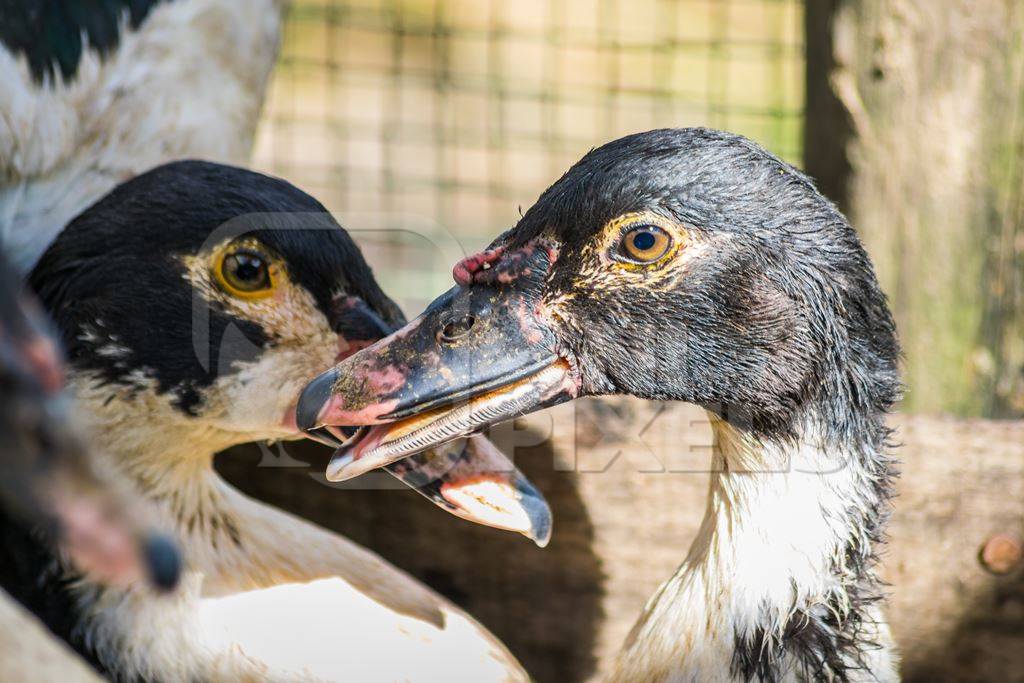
column 246, row 273
column 644, row 244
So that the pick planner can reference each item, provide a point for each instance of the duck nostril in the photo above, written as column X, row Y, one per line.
column 453, row 330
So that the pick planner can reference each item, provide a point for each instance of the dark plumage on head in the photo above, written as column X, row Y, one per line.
column 54, row 34
column 196, row 280
column 674, row 264
column 770, row 302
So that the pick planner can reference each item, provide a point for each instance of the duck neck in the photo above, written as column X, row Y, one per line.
column 166, row 457
column 781, row 575
column 175, row 476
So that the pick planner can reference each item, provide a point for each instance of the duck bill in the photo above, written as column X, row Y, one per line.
column 479, row 355
column 388, row 443
column 469, row 478
column 472, row 479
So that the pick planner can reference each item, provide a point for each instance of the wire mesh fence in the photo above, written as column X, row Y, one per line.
column 425, row 124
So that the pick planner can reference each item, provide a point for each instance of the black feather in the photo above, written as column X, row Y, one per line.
column 52, row 35
column 781, row 322
column 117, row 272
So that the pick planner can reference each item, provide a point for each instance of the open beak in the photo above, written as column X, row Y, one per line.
column 470, row 478
column 480, row 354
column 50, row 480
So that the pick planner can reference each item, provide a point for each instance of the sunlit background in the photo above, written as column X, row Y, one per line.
column 426, row 124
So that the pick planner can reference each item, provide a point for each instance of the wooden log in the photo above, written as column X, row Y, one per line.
column 627, row 482
column 915, row 126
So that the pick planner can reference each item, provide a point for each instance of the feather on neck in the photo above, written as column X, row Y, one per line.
column 780, row 583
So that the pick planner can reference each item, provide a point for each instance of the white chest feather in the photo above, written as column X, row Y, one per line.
column 188, row 83
column 291, row 602
column 770, row 549
column 266, row 595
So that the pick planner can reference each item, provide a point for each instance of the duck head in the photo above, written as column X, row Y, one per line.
column 685, row 265
column 197, row 299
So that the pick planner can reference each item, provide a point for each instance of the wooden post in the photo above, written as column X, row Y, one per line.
column 915, row 127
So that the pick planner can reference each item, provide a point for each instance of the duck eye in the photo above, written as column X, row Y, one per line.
column 645, row 244
column 245, row 273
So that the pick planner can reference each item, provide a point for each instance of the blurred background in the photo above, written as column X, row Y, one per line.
column 426, row 125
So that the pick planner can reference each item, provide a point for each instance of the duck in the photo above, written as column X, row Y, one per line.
column 682, row 265
column 191, row 300
column 52, row 485
column 95, row 92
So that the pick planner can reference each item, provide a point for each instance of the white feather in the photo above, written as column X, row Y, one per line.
column 777, row 520
column 188, row 83
column 288, row 602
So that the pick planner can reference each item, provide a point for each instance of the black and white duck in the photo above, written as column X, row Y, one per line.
column 195, row 301
column 686, row 265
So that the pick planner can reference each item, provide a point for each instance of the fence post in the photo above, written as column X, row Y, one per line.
column 915, row 126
